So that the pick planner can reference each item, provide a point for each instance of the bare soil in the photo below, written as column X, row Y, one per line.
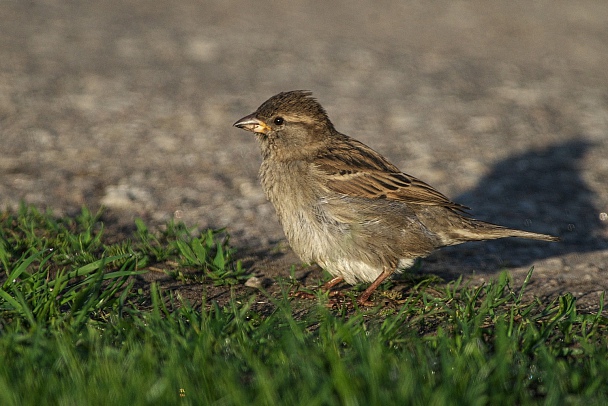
column 501, row 106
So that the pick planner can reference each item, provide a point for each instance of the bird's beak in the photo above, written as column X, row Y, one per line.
column 253, row 124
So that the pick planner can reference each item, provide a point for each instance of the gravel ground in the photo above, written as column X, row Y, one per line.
column 502, row 107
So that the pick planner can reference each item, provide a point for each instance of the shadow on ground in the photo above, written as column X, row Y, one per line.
column 540, row 190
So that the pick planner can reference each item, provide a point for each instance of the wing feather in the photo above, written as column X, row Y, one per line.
column 354, row 169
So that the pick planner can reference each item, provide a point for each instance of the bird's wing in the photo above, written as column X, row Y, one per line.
column 354, row 169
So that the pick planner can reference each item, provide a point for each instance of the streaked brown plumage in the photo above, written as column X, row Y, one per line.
column 343, row 205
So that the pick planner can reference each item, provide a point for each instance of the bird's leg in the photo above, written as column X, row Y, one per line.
column 331, row 283
column 326, row 287
column 363, row 299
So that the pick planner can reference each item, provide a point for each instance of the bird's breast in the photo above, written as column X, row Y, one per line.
column 299, row 200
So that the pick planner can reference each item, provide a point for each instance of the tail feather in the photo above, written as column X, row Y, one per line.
column 475, row 230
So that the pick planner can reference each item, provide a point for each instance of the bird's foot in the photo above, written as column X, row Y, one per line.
column 340, row 300
column 302, row 295
column 307, row 295
column 337, row 299
column 365, row 302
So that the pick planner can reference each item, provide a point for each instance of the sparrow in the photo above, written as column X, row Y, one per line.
column 344, row 206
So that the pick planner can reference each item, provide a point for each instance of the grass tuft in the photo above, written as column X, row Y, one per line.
column 73, row 331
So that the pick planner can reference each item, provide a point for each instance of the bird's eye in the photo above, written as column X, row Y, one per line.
column 278, row 120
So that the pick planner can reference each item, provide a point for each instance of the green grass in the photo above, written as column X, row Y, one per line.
column 75, row 329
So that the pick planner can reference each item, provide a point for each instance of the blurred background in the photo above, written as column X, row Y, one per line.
column 502, row 106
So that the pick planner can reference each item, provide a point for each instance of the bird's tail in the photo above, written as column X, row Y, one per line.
column 475, row 230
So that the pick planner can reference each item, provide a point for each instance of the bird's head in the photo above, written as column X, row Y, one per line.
column 289, row 124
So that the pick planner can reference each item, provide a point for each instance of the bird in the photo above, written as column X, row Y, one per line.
column 344, row 206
